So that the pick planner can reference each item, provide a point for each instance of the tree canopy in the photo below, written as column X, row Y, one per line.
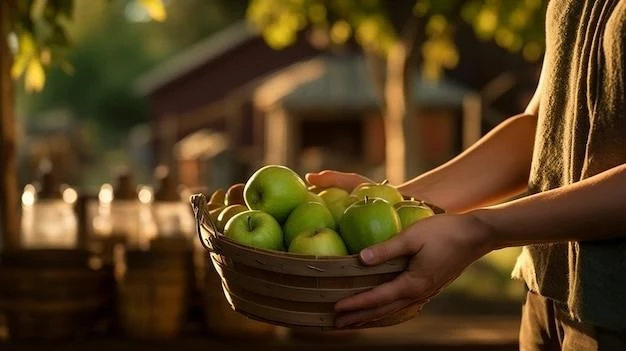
column 39, row 36
column 105, row 45
column 375, row 25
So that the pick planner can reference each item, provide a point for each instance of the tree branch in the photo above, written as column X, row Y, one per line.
column 9, row 215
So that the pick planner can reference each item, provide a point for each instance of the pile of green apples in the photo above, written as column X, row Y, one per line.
column 276, row 210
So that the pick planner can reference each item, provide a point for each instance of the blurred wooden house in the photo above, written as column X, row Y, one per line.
column 57, row 137
column 231, row 103
column 324, row 113
column 207, row 90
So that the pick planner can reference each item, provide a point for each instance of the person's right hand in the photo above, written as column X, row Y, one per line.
column 327, row 179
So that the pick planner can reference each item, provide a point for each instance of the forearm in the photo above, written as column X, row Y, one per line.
column 493, row 169
column 591, row 209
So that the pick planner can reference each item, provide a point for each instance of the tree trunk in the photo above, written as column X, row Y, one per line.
column 9, row 214
column 402, row 155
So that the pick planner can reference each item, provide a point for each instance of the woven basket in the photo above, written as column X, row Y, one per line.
column 291, row 290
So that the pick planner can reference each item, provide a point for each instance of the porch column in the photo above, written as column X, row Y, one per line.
column 280, row 138
column 472, row 119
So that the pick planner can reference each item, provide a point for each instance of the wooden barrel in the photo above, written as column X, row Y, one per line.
column 153, row 294
column 52, row 294
column 221, row 320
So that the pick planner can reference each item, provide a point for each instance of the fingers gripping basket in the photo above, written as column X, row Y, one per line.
column 287, row 289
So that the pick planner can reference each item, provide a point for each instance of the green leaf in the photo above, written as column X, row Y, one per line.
column 155, row 9
column 279, row 37
column 486, row 22
column 26, row 44
column 532, row 51
column 19, row 66
column 35, row 76
column 66, row 8
column 437, row 25
column 421, row 8
column 340, row 32
column 317, row 13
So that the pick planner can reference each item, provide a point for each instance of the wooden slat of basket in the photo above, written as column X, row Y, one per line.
column 280, row 316
column 304, row 281
column 284, row 291
column 312, row 320
column 341, row 266
column 277, row 302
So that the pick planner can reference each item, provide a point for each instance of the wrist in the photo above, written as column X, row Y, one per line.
column 486, row 234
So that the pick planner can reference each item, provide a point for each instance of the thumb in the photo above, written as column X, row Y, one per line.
column 397, row 246
column 326, row 179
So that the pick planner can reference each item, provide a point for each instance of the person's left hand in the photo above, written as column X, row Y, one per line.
column 442, row 247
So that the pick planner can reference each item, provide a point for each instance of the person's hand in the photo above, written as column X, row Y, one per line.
column 442, row 247
column 327, row 179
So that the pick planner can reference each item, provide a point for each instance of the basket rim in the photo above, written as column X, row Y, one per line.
column 204, row 228
column 340, row 266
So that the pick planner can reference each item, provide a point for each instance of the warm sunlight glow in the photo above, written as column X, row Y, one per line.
column 145, row 195
column 29, row 195
column 70, row 195
column 106, row 193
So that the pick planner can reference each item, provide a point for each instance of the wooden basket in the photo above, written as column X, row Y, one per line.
column 291, row 290
column 220, row 320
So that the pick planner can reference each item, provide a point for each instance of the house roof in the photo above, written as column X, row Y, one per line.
column 199, row 54
column 202, row 143
column 335, row 82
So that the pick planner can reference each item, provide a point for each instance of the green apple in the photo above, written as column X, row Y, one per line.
column 337, row 200
column 218, row 197
column 368, row 222
column 382, row 190
column 411, row 211
column 234, row 195
column 313, row 197
column 215, row 212
column 315, row 189
column 333, row 194
column 276, row 190
column 307, row 216
column 227, row 213
column 255, row 228
column 319, row 242
column 213, row 206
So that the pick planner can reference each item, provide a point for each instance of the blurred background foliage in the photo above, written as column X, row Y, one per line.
column 88, row 53
column 111, row 43
column 106, row 46
column 514, row 25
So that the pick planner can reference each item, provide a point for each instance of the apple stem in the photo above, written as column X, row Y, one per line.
column 250, row 223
